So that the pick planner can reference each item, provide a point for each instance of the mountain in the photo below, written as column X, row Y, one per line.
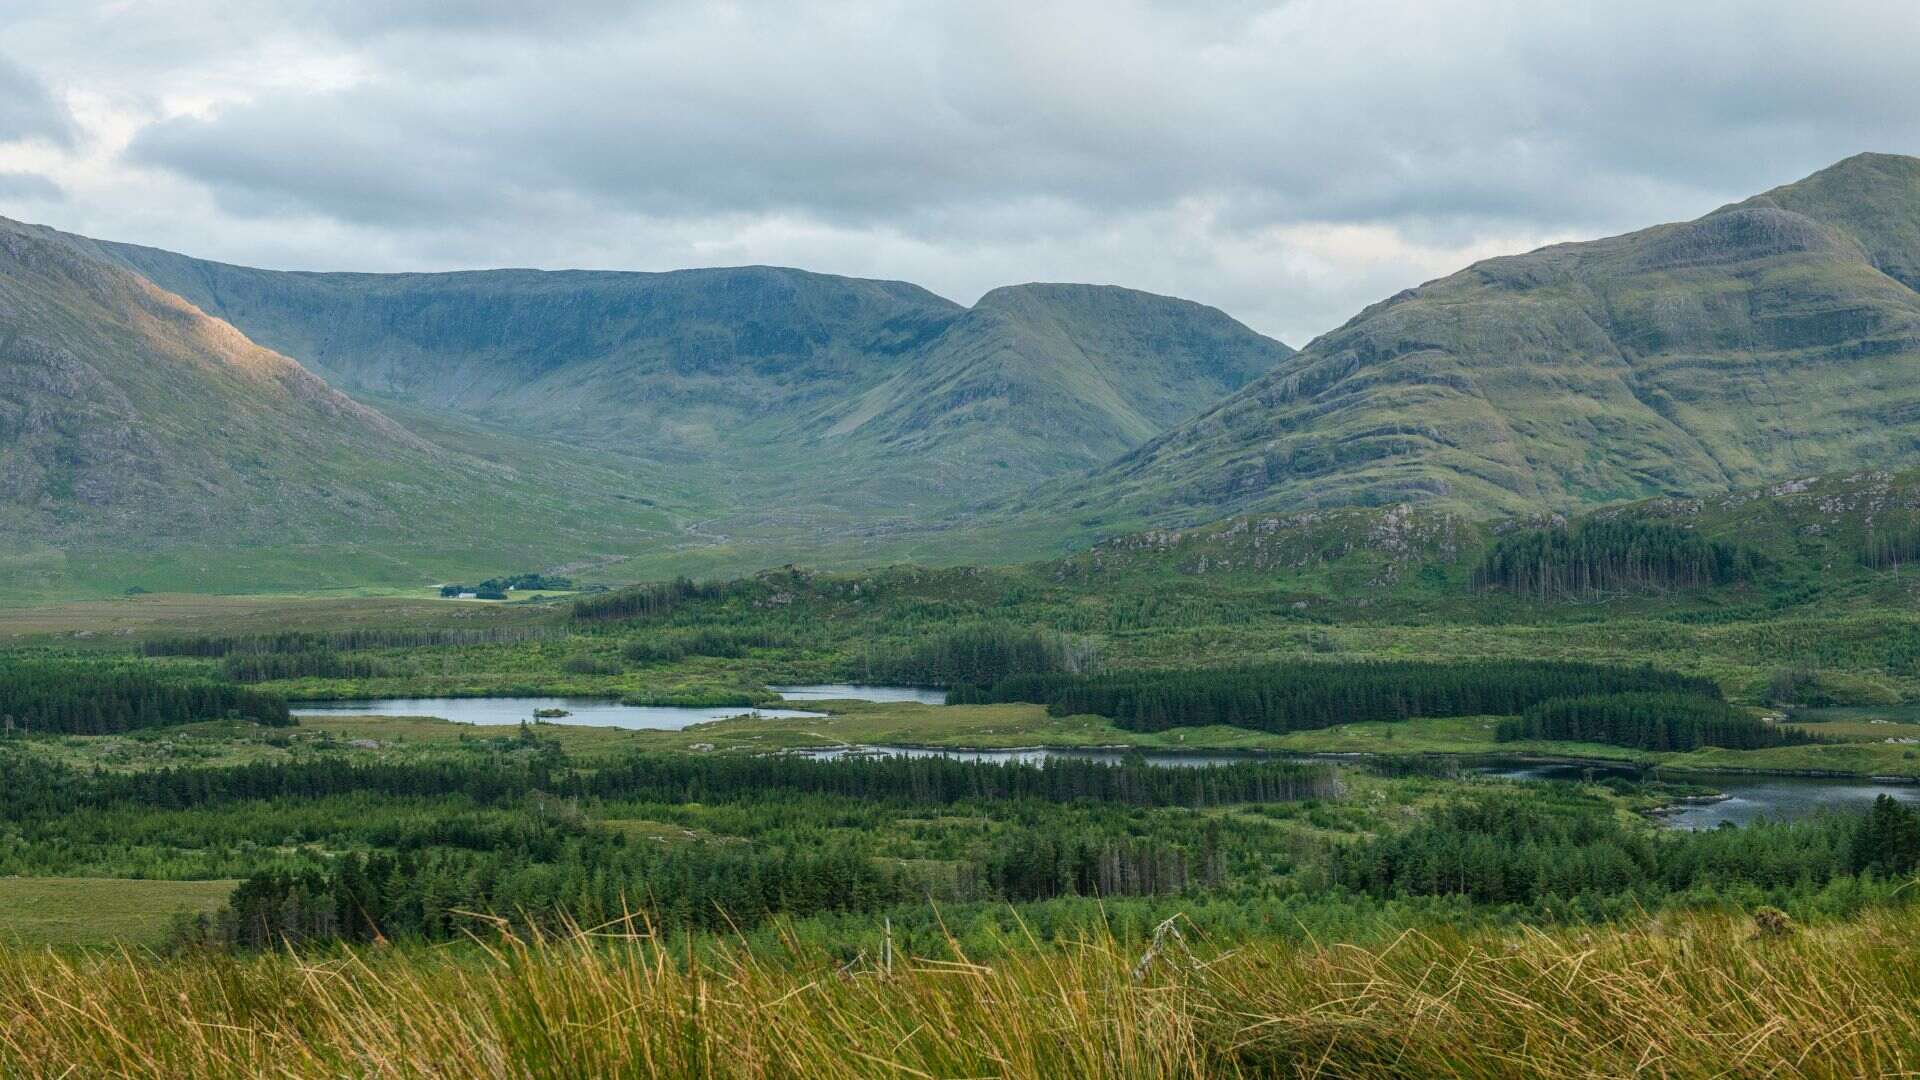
column 789, row 383
column 123, row 403
column 167, row 422
column 686, row 358
column 1773, row 338
column 1045, row 378
column 144, row 442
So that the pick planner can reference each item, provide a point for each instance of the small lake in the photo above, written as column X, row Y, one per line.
column 1749, row 798
column 1033, row 756
column 858, row 692
column 587, row 712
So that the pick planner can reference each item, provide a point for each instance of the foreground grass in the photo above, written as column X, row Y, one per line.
column 99, row 911
column 1690, row 997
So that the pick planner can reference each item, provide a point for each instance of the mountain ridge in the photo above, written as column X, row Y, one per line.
column 1682, row 358
column 813, row 416
column 739, row 364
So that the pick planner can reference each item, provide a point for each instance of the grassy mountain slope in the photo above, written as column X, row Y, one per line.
column 794, row 386
column 689, row 358
column 1772, row 338
column 143, row 442
column 1041, row 378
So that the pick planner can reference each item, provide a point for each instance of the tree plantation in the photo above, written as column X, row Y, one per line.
column 101, row 699
column 1298, row 697
column 1649, row 721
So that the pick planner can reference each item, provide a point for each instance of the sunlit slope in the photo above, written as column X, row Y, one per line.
column 137, row 430
column 872, row 397
column 1772, row 338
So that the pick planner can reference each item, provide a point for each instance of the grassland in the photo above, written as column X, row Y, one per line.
column 99, row 911
column 1687, row 997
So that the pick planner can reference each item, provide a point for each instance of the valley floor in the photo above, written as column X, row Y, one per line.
column 190, row 884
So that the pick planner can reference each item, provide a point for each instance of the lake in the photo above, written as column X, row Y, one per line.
column 1035, row 755
column 587, row 712
column 1749, row 798
column 859, row 692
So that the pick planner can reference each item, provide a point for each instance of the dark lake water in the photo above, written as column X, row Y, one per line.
column 1750, row 798
column 861, row 692
column 589, row 712
column 1173, row 758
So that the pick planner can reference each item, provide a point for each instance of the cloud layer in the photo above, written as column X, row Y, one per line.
column 1289, row 162
column 27, row 111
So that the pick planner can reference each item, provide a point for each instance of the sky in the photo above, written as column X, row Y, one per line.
column 1287, row 162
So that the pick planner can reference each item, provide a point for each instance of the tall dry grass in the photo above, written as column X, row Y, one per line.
column 1686, row 998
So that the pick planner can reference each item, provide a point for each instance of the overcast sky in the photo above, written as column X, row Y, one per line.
column 1288, row 162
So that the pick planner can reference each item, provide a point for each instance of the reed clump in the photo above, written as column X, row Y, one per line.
column 1679, row 997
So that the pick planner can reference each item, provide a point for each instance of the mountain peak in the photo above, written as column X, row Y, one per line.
column 1874, row 199
column 1772, row 338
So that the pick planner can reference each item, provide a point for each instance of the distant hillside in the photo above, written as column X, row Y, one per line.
column 682, row 358
column 796, row 385
column 1040, row 379
column 144, row 443
column 124, row 409
column 1774, row 338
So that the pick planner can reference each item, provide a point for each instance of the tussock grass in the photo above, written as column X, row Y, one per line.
column 1684, row 998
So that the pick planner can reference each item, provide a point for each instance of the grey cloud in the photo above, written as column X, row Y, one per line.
column 356, row 17
column 25, row 185
column 986, row 138
column 875, row 118
column 26, row 109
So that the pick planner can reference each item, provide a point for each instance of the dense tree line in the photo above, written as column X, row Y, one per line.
column 1612, row 556
column 1040, row 864
column 704, row 641
column 89, row 698
column 438, row 893
column 589, row 877
column 1887, row 840
column 1889, row 549
column 1303, row 696
column 671, row 778
column 1504, row 850
column 1649, row 721
column 434, row 894
column 498, row 588
column 941, row 780
column 31, row 786
column 643, row 601
column 301, row 641
column 316, row 664
column 978, row 654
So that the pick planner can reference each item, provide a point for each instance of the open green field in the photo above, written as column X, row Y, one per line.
column 151, row 768
column 126, row 621
column 100, row 911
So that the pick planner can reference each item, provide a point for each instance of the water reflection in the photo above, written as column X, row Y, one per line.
column 587, row 712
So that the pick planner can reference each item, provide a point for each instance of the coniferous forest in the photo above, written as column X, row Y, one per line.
column 1649, row 721
column 94, row 699
column 1600, row 556
column 1305, row 696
